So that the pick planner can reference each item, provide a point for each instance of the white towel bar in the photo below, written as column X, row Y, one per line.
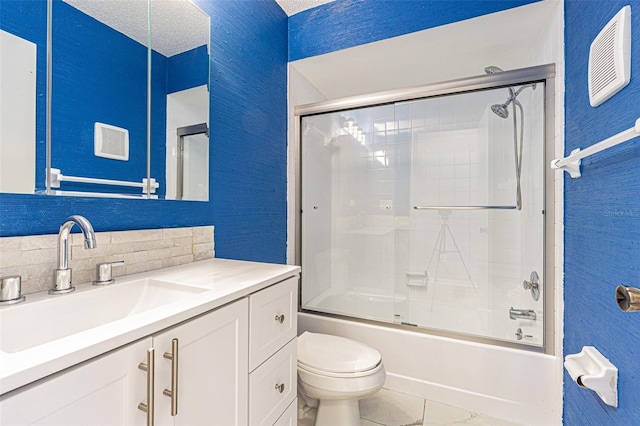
column 571, row 164
column 57, row 177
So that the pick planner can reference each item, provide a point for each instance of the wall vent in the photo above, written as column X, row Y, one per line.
column 111, row 142
column 610, row 58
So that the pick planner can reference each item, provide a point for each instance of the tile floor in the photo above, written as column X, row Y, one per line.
column 389, row 408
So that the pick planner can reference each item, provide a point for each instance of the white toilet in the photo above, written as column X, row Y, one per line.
column 333, row 373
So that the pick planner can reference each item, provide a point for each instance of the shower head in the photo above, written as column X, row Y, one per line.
column 492, row 69
column 500, row 110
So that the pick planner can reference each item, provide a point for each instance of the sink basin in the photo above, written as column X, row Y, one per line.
column 32, row 324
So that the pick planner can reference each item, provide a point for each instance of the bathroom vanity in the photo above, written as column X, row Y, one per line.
column 213, row 342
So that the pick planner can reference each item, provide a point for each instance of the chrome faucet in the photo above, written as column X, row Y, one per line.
column 62, row 275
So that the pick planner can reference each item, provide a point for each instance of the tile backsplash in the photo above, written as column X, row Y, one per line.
column 35, row 257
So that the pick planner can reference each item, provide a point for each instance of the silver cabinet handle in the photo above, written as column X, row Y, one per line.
column 280, row 387
column 280, row 318
column 149, row 368
column 173, row 392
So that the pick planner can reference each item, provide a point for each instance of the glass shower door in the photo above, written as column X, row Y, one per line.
column 429, row 213
column 349, row 166
column 476, row 224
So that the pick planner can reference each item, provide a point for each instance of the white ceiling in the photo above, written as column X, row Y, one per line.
column 506, row 39
column 176, row 25
column 291, row 7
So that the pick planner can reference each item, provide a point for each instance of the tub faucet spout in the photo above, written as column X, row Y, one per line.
column 62, row 275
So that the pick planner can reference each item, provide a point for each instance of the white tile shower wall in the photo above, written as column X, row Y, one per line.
column 35, row 257
column 449, row 167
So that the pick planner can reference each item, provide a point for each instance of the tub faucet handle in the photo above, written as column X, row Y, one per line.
column 533, row 284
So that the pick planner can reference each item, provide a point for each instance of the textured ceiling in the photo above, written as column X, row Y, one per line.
column 176, row 26
column 291, row 7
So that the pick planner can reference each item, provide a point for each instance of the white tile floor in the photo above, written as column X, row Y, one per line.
column 389, row 408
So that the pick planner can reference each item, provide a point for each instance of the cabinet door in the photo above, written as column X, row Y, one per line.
column 212, row 374
column 103, row 391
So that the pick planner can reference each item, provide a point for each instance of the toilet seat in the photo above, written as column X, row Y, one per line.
column 357, row 374
column 336, row 356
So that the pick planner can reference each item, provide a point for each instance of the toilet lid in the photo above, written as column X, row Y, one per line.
column 335, row 354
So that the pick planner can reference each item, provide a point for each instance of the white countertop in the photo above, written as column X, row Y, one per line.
column 225, row 281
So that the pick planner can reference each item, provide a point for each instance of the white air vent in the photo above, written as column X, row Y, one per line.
column 111, row 142
column 610, row 58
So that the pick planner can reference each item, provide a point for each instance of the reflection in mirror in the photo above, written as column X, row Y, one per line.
column 180, row 77
column 23, row 40
column 192, row 180
column 17, row 114
column 100, row 74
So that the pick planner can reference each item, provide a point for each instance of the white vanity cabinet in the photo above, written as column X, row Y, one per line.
column 272, row 352
column 102, row 391
column 211, row 380
column 234, row 364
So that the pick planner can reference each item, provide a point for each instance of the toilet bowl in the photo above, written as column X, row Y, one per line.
column 334, row 373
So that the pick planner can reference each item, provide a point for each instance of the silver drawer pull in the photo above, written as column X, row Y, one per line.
column 149, row 368
column 173, row 392
column 280, row 318
column 280, row 387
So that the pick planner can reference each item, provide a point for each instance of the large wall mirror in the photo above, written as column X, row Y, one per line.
column 125, row 77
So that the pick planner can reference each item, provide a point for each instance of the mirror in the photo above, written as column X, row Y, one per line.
column 116, row 106
column 23, row 41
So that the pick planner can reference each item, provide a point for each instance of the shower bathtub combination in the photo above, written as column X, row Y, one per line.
column 423, row 220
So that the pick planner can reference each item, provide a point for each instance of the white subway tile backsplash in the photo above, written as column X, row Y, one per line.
column 35, row 257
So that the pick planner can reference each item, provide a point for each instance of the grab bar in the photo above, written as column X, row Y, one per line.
column 464, row 207
column 571, row 164
column 529, row 314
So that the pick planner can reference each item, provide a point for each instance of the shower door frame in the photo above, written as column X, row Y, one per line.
column 544, row 73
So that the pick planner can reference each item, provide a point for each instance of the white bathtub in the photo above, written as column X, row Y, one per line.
column 515, row 385
column 452, row 315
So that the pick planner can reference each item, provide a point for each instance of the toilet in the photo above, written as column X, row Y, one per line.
column 333, row 374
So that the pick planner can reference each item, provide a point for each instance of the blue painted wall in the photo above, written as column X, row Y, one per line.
column 602, row 220
column 348, row 23
column 248, row 81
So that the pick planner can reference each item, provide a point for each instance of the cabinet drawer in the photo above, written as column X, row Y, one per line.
column 290, row 415
column 273, row 320
column 273, row 386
